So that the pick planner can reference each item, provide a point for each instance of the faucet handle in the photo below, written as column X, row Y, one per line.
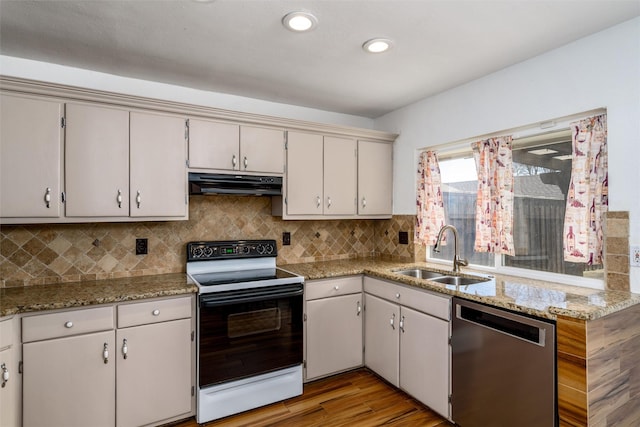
column 462, row 261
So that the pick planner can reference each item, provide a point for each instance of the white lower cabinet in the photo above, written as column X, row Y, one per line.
column 69, row 381
column 78, row 370
column 9, row 376
column 333, row 326
column 153, row 382
column 407, row 340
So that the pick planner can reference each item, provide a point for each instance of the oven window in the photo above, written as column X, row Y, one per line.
column 243, row 339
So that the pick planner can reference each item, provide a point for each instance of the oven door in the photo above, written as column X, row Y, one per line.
column 249, row 332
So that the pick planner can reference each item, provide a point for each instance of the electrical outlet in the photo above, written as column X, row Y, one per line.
column 403, row 237
column 142, row 246
column 634, row 255
column 286, row 238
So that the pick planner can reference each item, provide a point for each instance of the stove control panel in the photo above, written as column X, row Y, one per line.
column 205, row 251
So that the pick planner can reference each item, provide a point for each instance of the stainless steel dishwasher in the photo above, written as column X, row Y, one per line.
column 503, row 368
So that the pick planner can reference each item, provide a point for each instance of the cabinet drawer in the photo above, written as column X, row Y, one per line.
column 419, row 299
column 333, row 287
column 67, row 323
column 143, row 313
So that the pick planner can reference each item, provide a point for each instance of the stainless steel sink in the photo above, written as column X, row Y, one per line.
column 421, row 273
column 458, row 281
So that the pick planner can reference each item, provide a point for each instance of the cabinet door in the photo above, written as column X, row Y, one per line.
column 96, row 161
column 214, row 145
column 424, row 359
column 334, row 334
column 381, row 338
column 158, row 166
column 374, row 178
column 66, row 381
column 154, row 381
column 304, row 174
column 261, row 150
column 9, row 399
column 30, row 157
column 339, row 176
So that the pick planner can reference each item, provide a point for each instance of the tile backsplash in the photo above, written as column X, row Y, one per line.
column 53, row 253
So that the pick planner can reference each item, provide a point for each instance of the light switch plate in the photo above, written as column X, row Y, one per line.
column 634, row 255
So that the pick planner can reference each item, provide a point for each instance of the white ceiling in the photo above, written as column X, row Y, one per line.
column 240, row 47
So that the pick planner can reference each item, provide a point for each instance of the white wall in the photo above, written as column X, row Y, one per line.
column 53, row 73
column 602, row 70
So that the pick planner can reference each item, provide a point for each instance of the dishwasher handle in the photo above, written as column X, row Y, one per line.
column 504, row 322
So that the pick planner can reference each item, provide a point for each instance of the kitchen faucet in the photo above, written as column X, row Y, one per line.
column 457, row 261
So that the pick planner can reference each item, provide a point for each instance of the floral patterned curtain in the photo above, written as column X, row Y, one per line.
column 588, row 192
column 430, row 216
column 494, row 203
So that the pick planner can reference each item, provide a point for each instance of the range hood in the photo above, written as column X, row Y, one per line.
column 250, row 185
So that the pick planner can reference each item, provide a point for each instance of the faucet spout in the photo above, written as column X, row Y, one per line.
column 457, row 261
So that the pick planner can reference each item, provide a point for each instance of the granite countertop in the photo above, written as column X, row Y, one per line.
column 534, row 297
column 79, row 294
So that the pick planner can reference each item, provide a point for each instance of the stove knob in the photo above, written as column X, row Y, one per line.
column 245, row 250
column 269, row 249
column 260, row 249
column 208, row 251
column 197, row 252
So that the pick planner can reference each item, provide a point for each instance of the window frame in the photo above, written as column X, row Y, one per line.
column 462, row 149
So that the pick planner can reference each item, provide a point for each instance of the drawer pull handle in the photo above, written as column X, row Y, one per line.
column 105, row 353
column 336, row 287
column 125, row 348
column 397, row 296
column 156, row 312
column 5, row 374
column 234, row 162
column 47, row 198
column 68, row 324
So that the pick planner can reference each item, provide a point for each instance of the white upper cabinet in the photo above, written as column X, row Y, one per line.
column 30, row 157
column 214, row 145
column 231, row 147
column 261, row 150
column 321, row 175
column 96, row 161
column 374, row 179
column 158, row 166
column 339, row 176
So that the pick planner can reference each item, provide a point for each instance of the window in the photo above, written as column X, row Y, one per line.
column 542, row 171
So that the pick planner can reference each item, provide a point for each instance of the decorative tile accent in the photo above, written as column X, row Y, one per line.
column 616, row 251
column 56, row 253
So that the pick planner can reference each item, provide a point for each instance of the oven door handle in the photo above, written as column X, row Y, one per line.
column 220, row 299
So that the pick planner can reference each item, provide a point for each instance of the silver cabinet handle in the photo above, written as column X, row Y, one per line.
column 364, row 203
column 246, row 162
column 68, row 324
column 234, row 161
column 318, row 201
column 47, row 198
column 125, row 348
column 156, row 312
column 402, row 324
column 105, row 353
column 5, row 374
column 392, row 321
column 358, row 309
column 119, row 199
column 328, row 202
column 336, row 287
column 139, row 199
column 397, row 296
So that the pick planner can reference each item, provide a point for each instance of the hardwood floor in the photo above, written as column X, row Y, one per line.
column 357, row 398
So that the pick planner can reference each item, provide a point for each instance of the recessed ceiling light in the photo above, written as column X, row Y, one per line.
column 299, row 21
column 377, row 45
